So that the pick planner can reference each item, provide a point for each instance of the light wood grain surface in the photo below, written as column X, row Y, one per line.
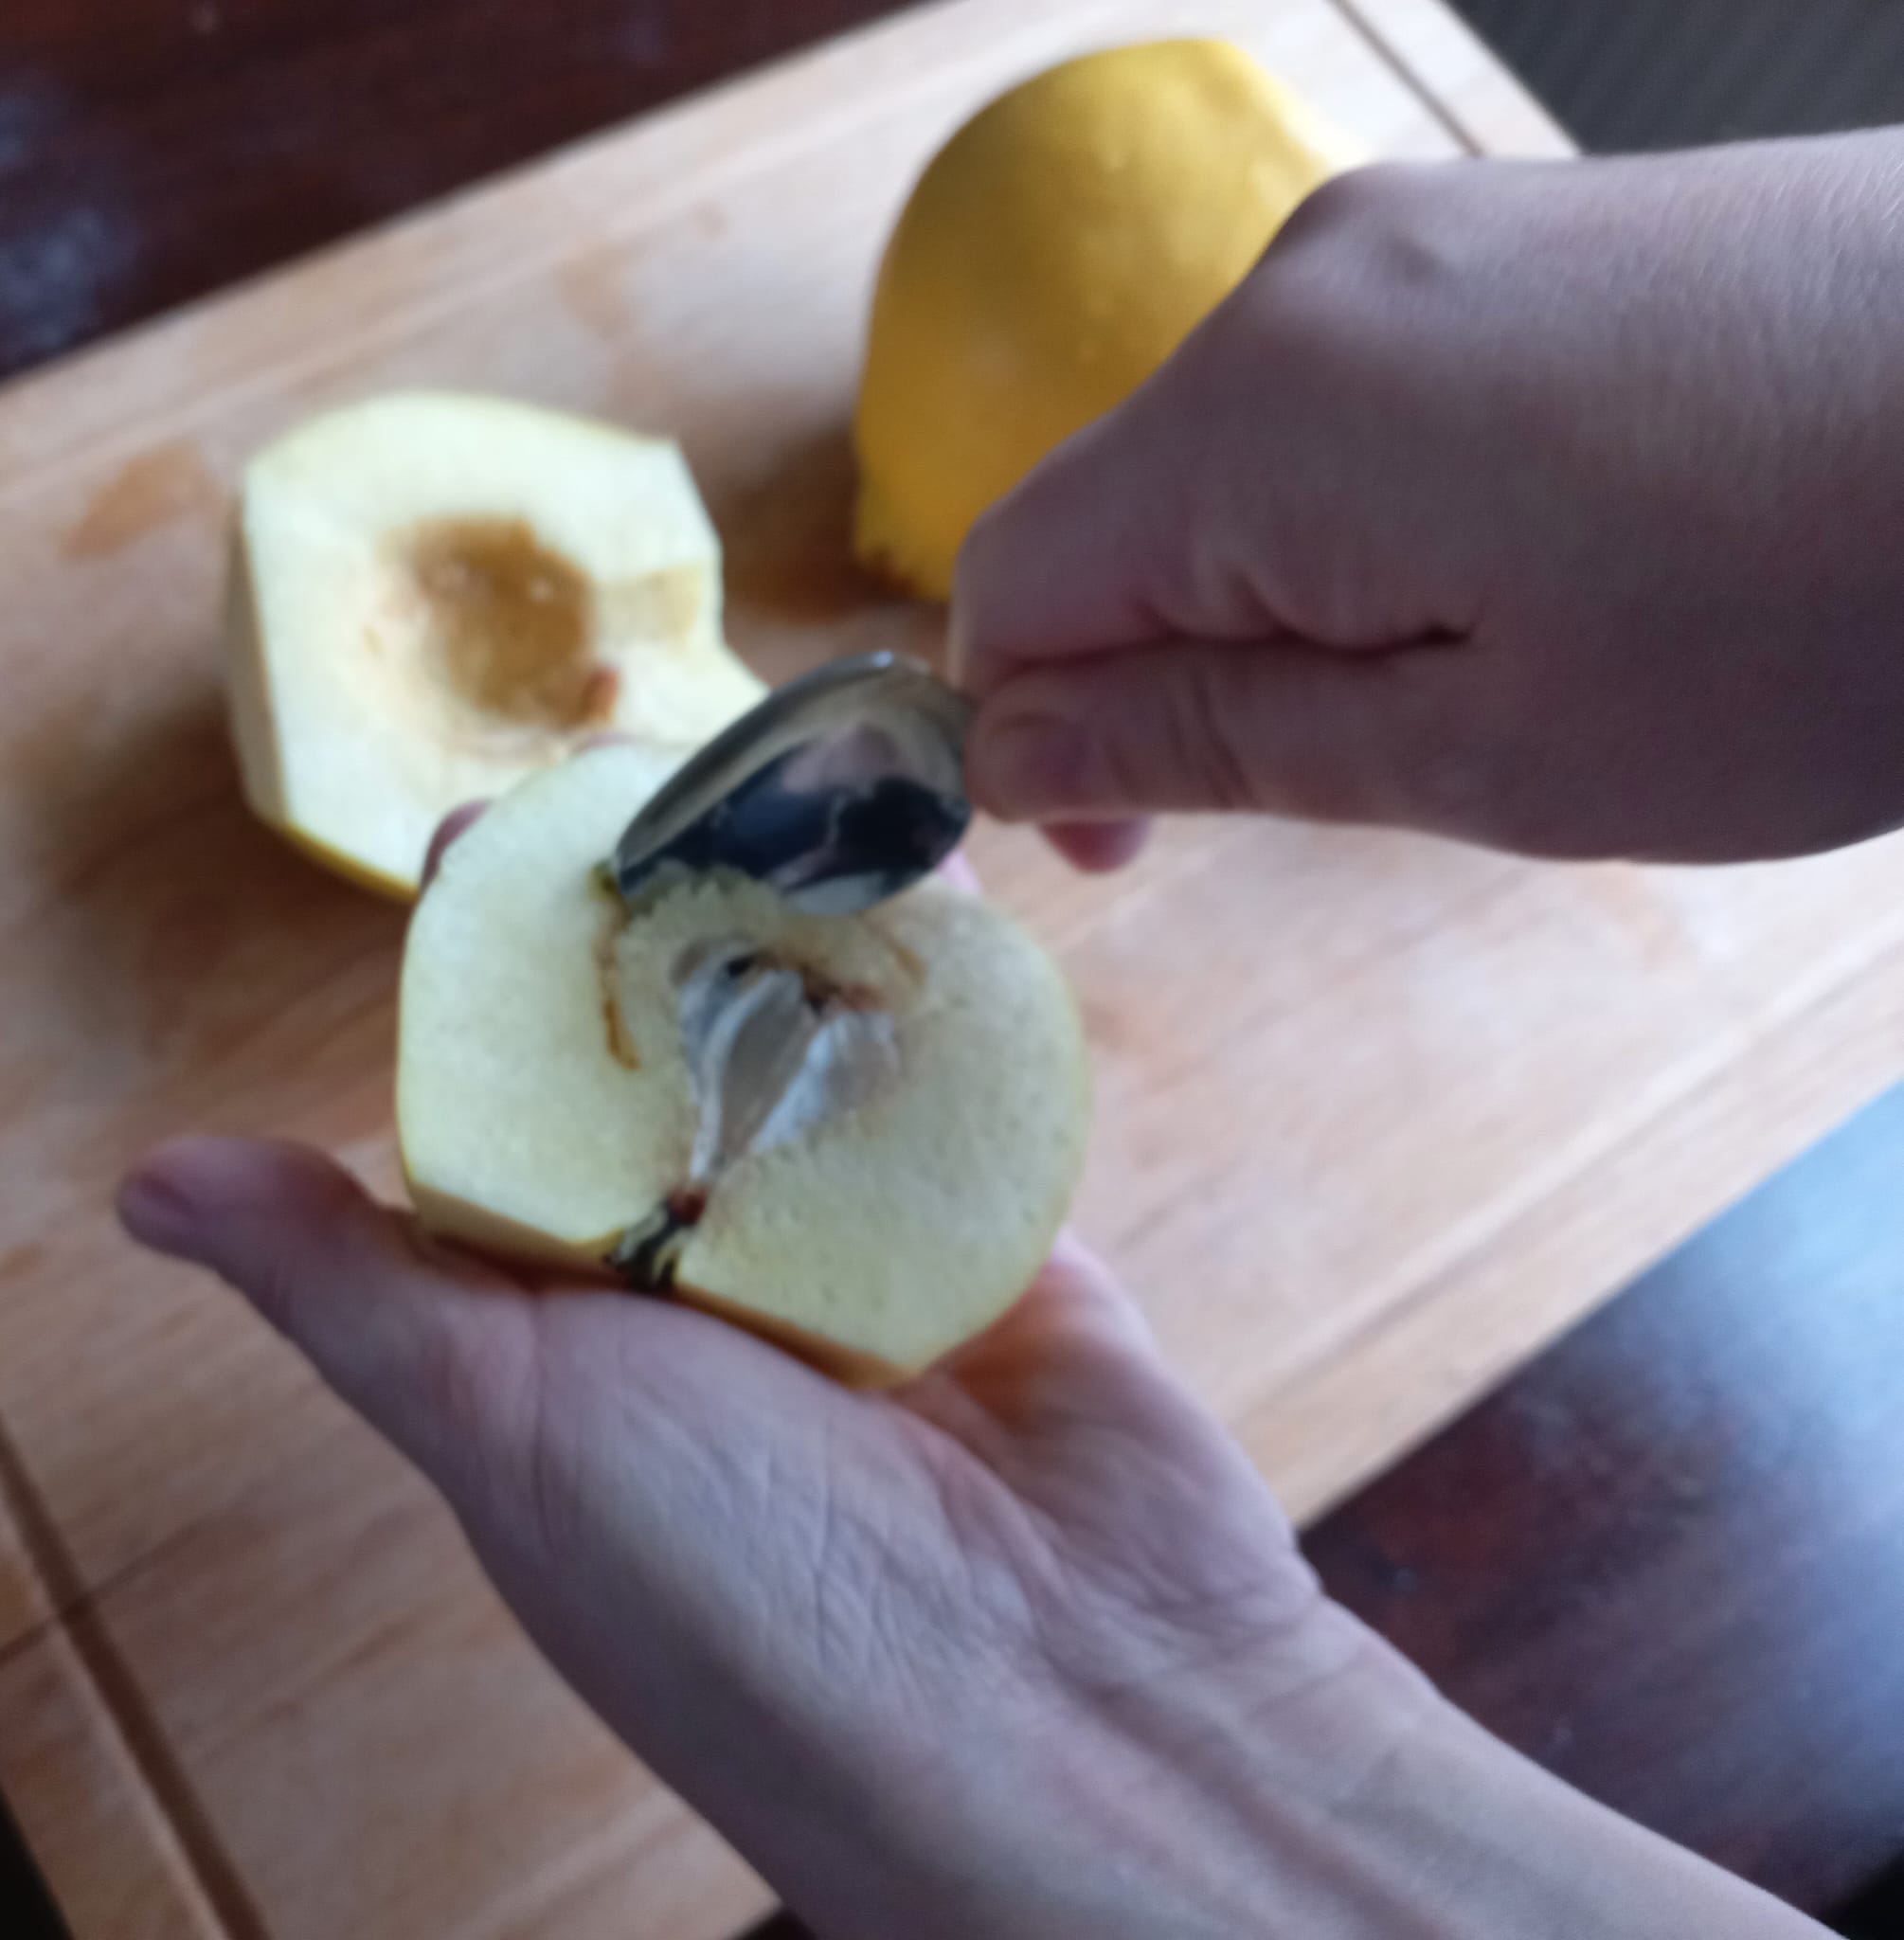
column 1377, row 1115
column 84, row 1803
column 1478, row 99
column 26, row 1604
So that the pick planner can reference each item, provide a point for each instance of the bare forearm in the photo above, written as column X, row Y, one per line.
column 1178, row 1816
column 1464, row 1839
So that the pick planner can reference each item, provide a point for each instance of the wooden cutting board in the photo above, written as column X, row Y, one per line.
column 1377, row 1116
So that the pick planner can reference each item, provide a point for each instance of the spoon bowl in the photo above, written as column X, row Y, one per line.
column 839, row 790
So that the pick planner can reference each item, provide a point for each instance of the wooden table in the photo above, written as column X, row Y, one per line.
column 1665, row 1557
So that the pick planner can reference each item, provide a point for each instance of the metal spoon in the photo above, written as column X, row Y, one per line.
column 840, row 789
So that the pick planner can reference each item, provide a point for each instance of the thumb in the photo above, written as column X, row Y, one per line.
column 1206, row 725
column 436, row 1354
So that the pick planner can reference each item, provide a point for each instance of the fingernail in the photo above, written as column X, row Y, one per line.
column 452, row 826
column 1024, row 765
column 153, row 1210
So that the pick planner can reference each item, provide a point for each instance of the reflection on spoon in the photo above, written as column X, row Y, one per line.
column 840, row 789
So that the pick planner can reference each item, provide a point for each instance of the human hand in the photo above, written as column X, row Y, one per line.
column 1555, row 506
column 923, row 1657
column 1024, row 1648
column 1021, row 1650
column 911, row 1652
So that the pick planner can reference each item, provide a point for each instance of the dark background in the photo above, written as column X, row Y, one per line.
column 1667, row 1558
column 1647, row 74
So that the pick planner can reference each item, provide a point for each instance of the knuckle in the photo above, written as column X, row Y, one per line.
column 1370, row 217
column 1364, row 252
column 1342, row 202
column 1221, row 705
column 1117, row 768
column 1203, row 728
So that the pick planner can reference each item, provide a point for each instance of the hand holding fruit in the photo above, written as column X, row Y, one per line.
column 1023, row 1647
column 856, row 1134
column 1550, row 506
column 870, row 1635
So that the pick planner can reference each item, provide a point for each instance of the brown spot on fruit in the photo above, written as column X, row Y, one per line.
column 622, row 1046
column 597, row 698
column 688, row 1205
column 509, row 623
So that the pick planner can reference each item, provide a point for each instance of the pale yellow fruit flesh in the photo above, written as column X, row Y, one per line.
column 434, row 594
column 545, row 1106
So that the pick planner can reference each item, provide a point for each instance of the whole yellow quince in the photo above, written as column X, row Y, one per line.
column 1056, row 251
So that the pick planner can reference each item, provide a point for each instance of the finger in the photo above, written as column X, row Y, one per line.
column 1067, row 562
column 1075, row 1303
column 1078, row 1289
column 1098, row 848
column 1159, row 520
column 434, row 1353
column 1091, row 846
column 452, row 825
column 1196, row 726
column 1075, row 1333
column 1256, row 487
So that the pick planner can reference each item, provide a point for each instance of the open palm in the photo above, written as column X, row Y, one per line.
column 845, row 1625
column 1022, row 1648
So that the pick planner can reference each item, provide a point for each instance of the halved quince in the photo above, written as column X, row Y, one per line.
column 856, row 1136
column 434, row 594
